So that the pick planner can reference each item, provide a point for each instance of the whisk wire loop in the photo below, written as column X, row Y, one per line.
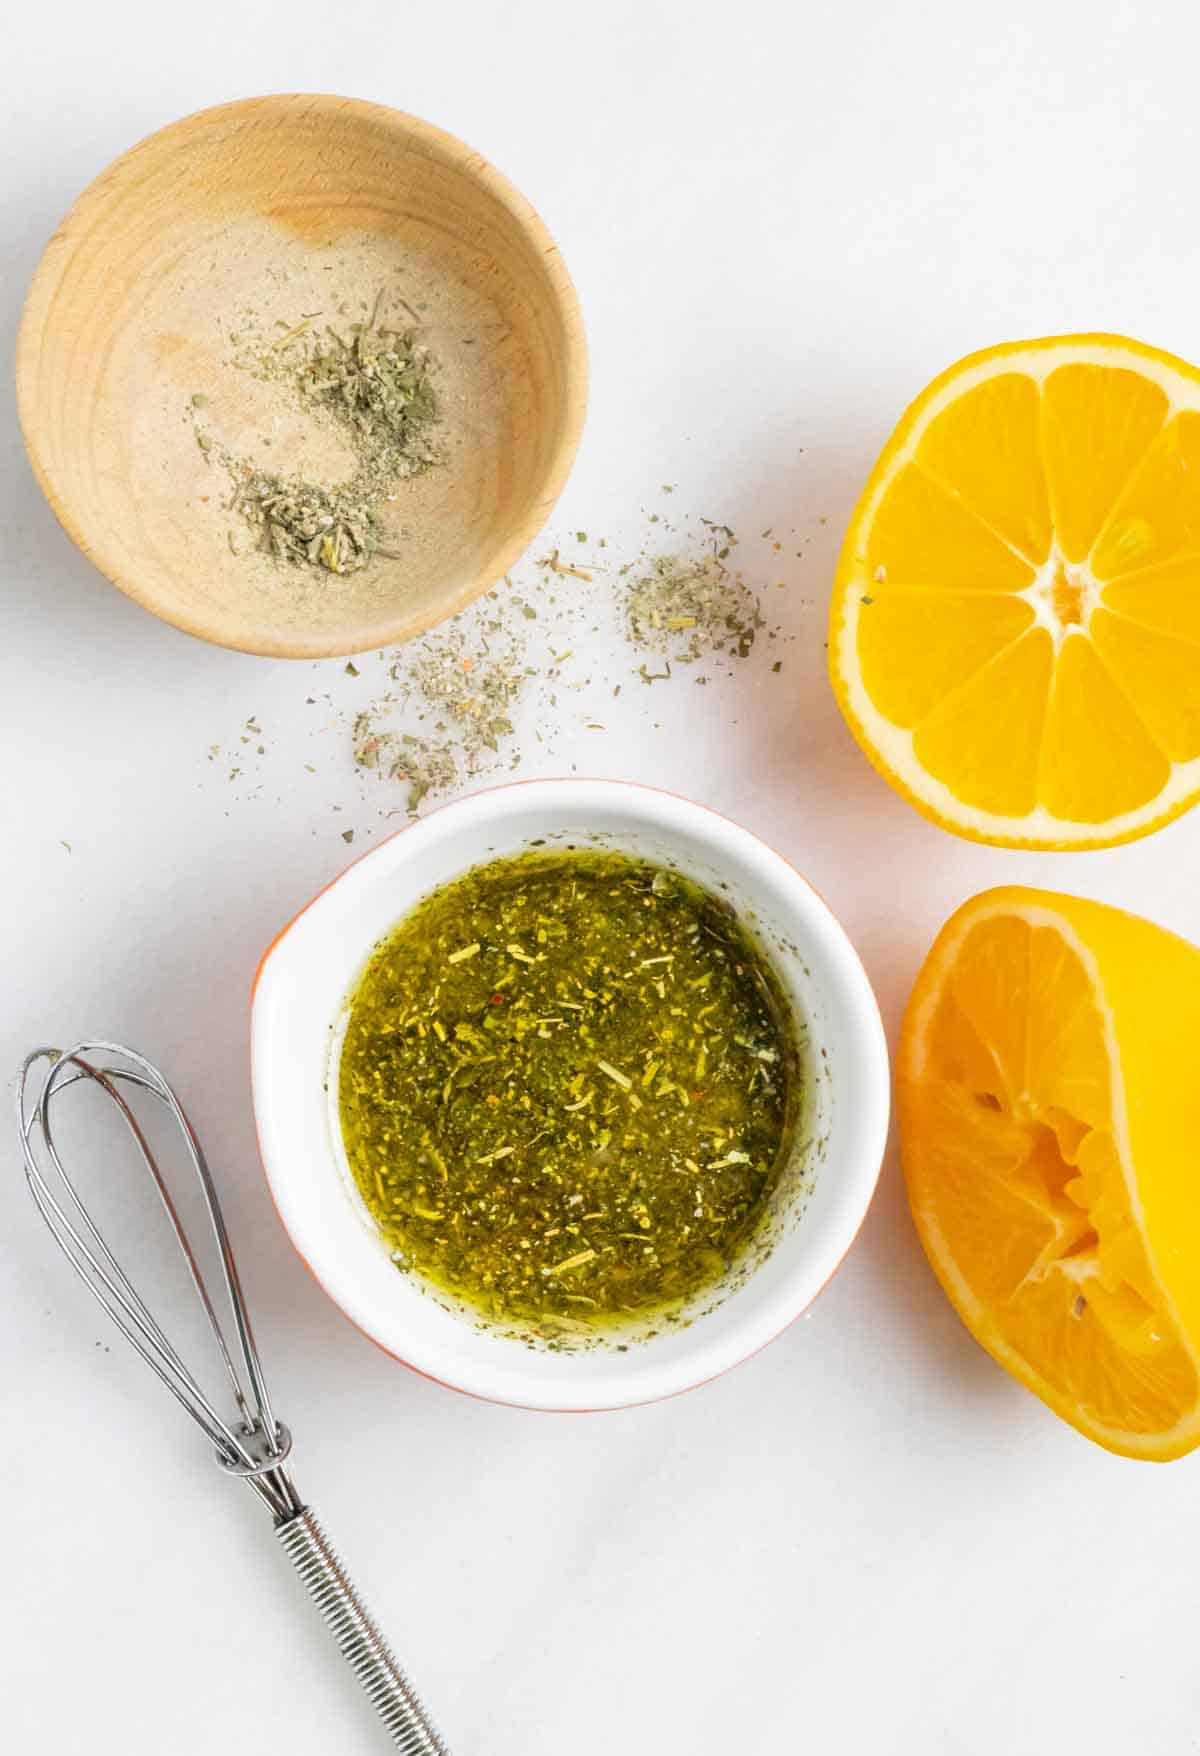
column 76, row 1231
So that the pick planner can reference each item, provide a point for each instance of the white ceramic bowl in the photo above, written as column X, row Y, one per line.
column 300, row 1003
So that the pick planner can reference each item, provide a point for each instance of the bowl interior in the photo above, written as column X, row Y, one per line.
column 300, row 1004
column 237, row 224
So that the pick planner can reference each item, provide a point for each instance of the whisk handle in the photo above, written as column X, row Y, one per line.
column 362, row 1645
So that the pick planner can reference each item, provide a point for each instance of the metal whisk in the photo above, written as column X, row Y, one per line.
column 254, row 1444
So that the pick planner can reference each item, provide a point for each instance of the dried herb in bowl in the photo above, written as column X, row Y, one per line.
column 334, row 528
column 374, row 383
column 377, row 383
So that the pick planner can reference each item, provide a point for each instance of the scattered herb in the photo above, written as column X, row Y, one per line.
column 451, row 702
column 688, row 608
column 466, row 680
column 564, row 568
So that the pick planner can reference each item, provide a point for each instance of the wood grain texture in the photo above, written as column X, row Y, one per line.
column 284, row 205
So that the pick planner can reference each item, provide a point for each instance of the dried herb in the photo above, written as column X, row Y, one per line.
column 377, row 384
column 374, row 383
column 690, row 607
column 427, row 766
column 565, row 1087
column 463, row 683
column 333, row 528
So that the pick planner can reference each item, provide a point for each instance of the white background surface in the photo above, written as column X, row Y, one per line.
column 783, row 221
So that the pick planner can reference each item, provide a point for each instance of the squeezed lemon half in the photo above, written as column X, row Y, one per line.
column 1049, row 1111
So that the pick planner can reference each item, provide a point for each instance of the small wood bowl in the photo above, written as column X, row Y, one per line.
column 256, row 216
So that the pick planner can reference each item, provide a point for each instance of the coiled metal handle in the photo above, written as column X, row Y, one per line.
column 363, row 1646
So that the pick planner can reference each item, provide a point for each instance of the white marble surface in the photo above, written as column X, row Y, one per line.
column 782, row 220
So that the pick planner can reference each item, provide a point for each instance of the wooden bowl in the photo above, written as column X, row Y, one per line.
column 253, row 217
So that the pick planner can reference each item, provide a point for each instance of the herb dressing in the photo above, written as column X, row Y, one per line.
column 566, row 1088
